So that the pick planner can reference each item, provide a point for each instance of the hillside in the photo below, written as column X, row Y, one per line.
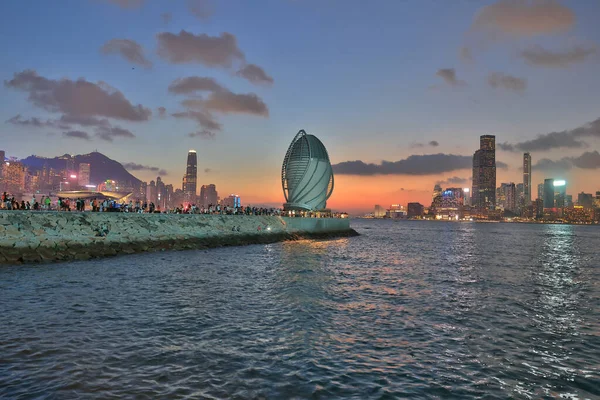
column 101, row 167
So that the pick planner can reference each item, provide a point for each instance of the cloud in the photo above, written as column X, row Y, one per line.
column 162, row 112
column 127, row 3
column 85, row 121
column 207, row 170
column 203, row 118
column 77, row 135
column 540, row 57
column 131, row 50
column 523, row 18
column 570, row 139
column 500, row 80
column 428, row 164
column 449, row 76
column 201, row 9
column 166, row 17
column 254, row 74
column 211, row 51
column 113, row 132
column 433, row 143
column 227, row 102
column 36, row 122
column 194, row 84
column 455, row 180
column 203, row 134
column 77, row 98
column 588, row 160
column 130, row 166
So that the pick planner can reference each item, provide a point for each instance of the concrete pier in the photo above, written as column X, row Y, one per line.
column 29, row 237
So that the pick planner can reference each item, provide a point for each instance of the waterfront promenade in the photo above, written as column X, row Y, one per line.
column 30, row 236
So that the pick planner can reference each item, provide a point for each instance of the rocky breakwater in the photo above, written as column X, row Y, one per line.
column 51, row 236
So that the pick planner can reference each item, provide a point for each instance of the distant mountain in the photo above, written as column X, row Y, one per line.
column 101, row 167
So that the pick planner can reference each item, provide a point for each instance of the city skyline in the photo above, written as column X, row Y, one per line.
column 383, row 88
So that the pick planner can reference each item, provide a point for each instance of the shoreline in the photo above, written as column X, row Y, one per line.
column 34, row 237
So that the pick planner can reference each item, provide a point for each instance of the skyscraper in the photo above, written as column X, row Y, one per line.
column 208, row 195
column 527, row 179
column 84, row 174
column 548, row 193
column 484, row 174
column 540, row 191
column 190, row 178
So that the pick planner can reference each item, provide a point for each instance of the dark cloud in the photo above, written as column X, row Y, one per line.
column 588, row 160
column 428, row 164
column 523, row 18
column 77, row 135
column 203, row 118
column 77, row 98
column 201, row 9
column 433, row 143
column 255, row 74
column 127, row 3
column 193, row 84
column 85, row 121
column 37, row 123
column 449, row 76
column 455, row 180
column 207, row 170
column 166, row 17
column 538, row 56
column 131, row 50
column 113, row 132
column 203, row 134
column 227, row 102
column 162, row 111
column 212, row 51
column 570, row 139
column 500, row 80
column 130, row 166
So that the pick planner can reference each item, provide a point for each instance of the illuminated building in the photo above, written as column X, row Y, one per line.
column 169, row 196
column 452, row 204
column 484, row 174
column 191, row 177
column 232, row 201
column 548, row 193
column 161, row 194
column 467, row 199
column 14, row 177
column 379, row 211
column 306, row 174
column 597, row 200
column 540, row 191
column 519, row 197
column 538, row 208
column 510, row 194
column 586, row 200
column 2, row 157
column 560, row 193
column 396, row 211
column 578, row 214
column 437, row 191
column 415, row 210
column 208, row 195
column 151, row 193
column 84, row 174
column 527, row 179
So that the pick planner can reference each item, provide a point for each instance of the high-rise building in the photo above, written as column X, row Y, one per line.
column 2, row 156
column 84, row 174
column 151, row 193
column 415, row 210
column 540, row 191
column 208, row 195
column 467, row 200
column 526, row 179
column 191, row 177
column 484, row 174
column 14, row 177
column 232, row 201
column 437, row 191
column 511, row 197
column 560, row 193
column 548, row 193
column 161, row 194
column 379, row 211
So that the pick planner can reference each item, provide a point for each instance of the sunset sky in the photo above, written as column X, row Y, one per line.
column 410, row 82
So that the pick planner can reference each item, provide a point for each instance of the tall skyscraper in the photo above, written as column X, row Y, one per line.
column 527, row 179
column 484, row 174
column 191, row 177
column 548, row 193
column 540, row 191
column 208, row 195
column 560, row 194
column 83, row 177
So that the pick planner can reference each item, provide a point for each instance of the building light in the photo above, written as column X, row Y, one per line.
column 466, row 190
column 559, row 183
column 73, row 176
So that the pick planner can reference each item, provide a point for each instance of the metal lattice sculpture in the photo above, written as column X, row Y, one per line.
column 306, row 174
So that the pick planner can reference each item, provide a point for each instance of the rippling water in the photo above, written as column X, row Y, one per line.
column 408, row 309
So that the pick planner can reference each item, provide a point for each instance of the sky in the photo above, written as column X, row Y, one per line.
column 399, row 91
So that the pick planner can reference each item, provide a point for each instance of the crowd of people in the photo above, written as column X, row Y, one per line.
column 45, row 203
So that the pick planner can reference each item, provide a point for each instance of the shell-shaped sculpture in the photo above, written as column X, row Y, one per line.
column 306, row 175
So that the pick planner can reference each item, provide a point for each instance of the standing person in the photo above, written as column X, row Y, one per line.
column 48, row 202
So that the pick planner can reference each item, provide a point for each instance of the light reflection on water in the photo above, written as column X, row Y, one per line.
column 409, row 309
